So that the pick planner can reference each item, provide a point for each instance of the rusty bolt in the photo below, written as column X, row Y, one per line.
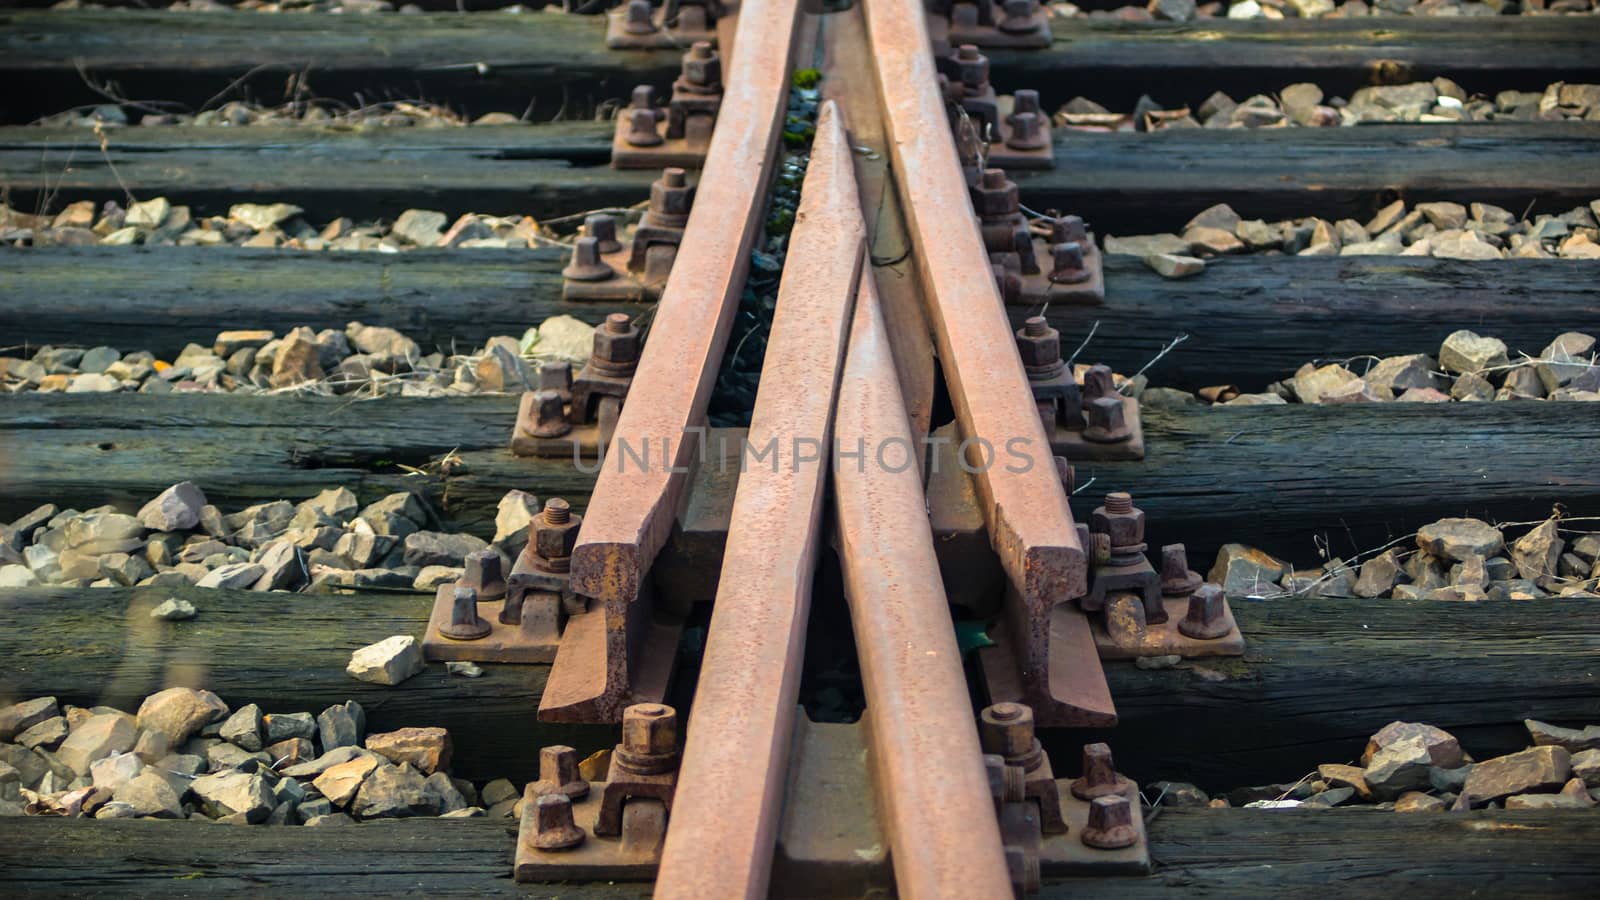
column 995, row 195
column 1007, row 283
column 1107, row 424
column 1039, row 345
column 1121, row 521
column 616, row 346
column 558, row 773
column 1026, row 101
column 1069, row 228
column 649, row 739
column 1066, row 264
column 972, row 69
column 1022, row 245
column 555, row 533
column 1110, row 825
column 1177, row 580
column 702, row 69
column 671, row 197
column 542, row 415
column 1207, row 618
column 1099, row 382
column 1027, row 132
column 484, row 574
column 1067, row 475
column 1019, row 16
column 1100, row 778
column 556, row 375
column 464, row 624
column 1007, row 729
column 586, row 264
column 554, row 828
column 642, row 128
column 643, row 97
column 603, row 228
column 640, row 18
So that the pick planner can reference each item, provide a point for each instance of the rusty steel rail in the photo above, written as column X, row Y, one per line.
column 724, row 824
column 1025, row 508
column 635, row 502
column 934, row 799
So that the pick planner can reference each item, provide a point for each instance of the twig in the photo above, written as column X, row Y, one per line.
column 1164, row 351
column 1086, row 339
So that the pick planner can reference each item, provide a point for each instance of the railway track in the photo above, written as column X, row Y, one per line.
column 920, row 305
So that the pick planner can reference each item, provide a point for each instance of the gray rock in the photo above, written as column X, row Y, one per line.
column 342, row 725
column 124, row 569
column 1399, row 767
column 1443, row 748
column 434, row 548
column 180, row 712
column 1379, row 575
column 244, row 729
column 379, row 341
column 498, row 791
column 234, row 576
column 1575, row 740
column 513, row 516
column 46, row 735
column 1245, row 571
column 442, row 794
column 312, row 808
column 471, row 812
column 325, row 762
column 19, row 717
column 1466, row 352
column 464, row 669
column 115, row 770
column 393, row 792
column 396, row 515
column 390, row 661
column 234, row 793
column 334, row 507
column 173, row 610
column 284, row 567
column 422, row 227
column 363, row 550
column 283, row 726
column 1175, row 265
column 1178, row 795
column 175, row 509
column 334, row 819
column 1537, row 553
column 1586, row 765
column 340, row 783
column 96, row 530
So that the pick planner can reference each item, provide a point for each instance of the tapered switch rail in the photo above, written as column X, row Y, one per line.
column 641, row 485
column 1024, row 506
column 934, row 799
column 724, row 825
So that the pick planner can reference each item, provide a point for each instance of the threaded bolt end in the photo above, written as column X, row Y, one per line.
column 557, row 511
column 1119, row 502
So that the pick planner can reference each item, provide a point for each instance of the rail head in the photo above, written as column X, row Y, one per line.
column 640, row 487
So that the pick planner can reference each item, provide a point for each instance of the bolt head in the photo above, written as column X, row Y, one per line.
column 554, row 828
column 1207, row 617
column 1110, row 825
column 995, row 195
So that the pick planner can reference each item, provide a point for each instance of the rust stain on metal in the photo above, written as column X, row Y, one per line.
column 633, row 507
column 1030, row 526
column 723, row 829
column 933, row 791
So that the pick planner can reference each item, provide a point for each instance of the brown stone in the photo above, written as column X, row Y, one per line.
column 1457, row 539
column 1416, row 801
column 1347, row 776
column 339, row 783
column 1399, row 766
column 180, row 712
column 1444, row 750
column 428, row 750
column 1540, row 769
column 1537, row 553
column 1573, row 739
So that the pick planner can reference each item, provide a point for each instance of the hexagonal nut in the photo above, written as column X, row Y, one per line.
column 993, row 202
column 1006, row 729
column 671, row 194
column 702, row 71
column 650, row 729
column 617, row 347
column 553, row 541
column 1124, row 529
column 1038, row 351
